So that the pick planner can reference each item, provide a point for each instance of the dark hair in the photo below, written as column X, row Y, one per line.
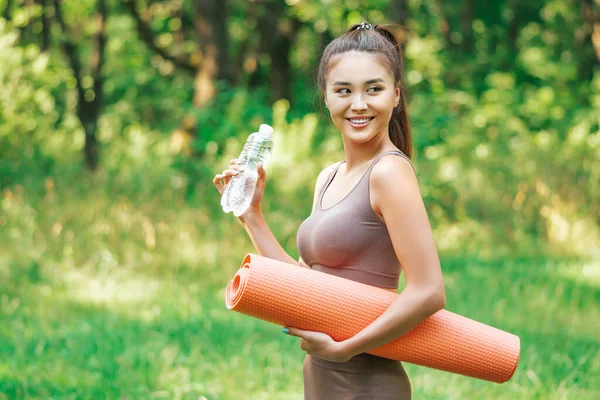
column 380, row 40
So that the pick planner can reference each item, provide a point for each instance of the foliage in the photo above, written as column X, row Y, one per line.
column 507, row 150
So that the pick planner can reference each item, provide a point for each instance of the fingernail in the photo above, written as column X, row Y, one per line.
column 285, row 330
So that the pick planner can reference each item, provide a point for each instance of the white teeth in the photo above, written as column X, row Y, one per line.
column 360, row 121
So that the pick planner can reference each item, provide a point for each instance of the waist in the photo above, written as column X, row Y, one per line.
column 378, row 279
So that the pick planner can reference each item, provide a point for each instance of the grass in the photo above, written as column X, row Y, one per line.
column 121, row 297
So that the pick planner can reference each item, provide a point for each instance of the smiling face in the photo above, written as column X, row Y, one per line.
column 360, row 94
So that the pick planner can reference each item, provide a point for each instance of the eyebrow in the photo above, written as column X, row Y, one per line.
column 366, row 83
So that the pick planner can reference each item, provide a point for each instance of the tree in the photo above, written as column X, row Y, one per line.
column 400, row 13
column 89, row 100
column 209, row 60
column 213, row 41
column 7, row 9
column 588, row 41
column 278, row 33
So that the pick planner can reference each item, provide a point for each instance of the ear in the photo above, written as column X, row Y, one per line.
column 397, row 93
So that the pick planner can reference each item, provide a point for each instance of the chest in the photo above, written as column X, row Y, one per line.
column 341, row 235
column 353, row 188
column 341, row 186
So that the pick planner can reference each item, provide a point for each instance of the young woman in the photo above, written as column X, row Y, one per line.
column 368, row 221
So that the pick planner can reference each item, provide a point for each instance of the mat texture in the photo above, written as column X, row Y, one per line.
column 289, row 295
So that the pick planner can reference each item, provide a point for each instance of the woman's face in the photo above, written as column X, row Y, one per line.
column 360, row 95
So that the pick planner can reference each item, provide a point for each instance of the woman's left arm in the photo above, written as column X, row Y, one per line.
column 396, row 195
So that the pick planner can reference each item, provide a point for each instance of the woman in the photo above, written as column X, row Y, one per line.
column 368, row 221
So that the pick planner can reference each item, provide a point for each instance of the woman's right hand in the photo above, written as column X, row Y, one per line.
column 222, row 180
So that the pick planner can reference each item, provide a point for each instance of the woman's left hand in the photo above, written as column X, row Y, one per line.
column 320, row 345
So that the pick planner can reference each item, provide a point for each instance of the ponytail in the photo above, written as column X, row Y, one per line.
column 399, row 128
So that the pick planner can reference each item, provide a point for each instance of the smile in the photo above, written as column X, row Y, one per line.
column 359, row 122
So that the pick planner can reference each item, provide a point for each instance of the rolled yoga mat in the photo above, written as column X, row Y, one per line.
column 289, row 295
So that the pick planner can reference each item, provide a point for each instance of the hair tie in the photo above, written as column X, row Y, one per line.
column 365, row 26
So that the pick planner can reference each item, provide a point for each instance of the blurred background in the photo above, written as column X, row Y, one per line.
column 116, row 115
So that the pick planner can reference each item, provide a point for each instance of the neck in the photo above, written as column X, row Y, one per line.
column 357, row 154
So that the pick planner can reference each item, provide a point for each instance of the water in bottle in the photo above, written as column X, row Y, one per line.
column 240, row 189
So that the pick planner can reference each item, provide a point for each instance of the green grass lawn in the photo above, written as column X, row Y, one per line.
column 122, row 298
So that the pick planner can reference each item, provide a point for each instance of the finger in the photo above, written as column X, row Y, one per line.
column 304, row 345
column 261, row 171
column 230, row 172
column 222, row 180
column 296, row 332
column 217, row 182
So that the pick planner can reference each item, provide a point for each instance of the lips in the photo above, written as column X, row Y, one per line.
column 360, row 122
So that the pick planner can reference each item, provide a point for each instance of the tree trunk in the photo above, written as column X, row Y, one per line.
column 324, row 39
column 246, row 59
column 90, row 150
column 281, row 71
column 89, row 102
column 142, row 21
column 222, row 40
column 443, row 23
column 514, row 26
column 45, row 25
column 92, row 108
column 522, row 13
column 7, row 9
column 278, row 34
column 588, row 42
column 26, row 32
column 400, row 13
column 213, row 42
column 466, row 23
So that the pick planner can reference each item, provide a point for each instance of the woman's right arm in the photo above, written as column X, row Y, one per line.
column 264, row 241
column 253, row 219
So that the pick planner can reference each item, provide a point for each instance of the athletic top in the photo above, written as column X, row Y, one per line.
column 349, row 239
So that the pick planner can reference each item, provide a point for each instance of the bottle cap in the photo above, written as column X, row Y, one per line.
column 265, row 130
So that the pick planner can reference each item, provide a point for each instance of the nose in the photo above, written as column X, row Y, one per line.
column 358, row 103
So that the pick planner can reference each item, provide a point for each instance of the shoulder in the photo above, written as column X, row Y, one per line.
column 392, row 176
column 395, row 166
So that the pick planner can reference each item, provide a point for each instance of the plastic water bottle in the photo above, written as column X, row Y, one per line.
column 240, row 189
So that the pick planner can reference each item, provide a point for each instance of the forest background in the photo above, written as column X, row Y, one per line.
column 116, row 115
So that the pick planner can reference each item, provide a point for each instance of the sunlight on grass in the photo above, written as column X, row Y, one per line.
column 124, row 298
column 585, row 273
column 114, row 290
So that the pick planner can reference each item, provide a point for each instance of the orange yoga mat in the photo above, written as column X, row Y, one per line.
column 289, row 295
